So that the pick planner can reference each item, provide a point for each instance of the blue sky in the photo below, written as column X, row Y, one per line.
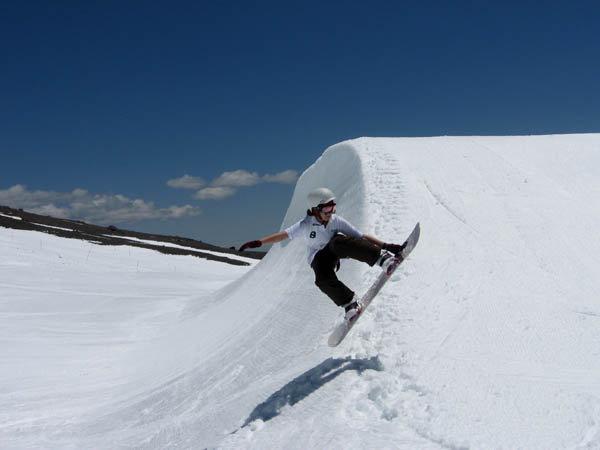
column 106, row 106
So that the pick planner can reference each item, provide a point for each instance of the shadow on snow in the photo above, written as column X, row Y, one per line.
column 307, row 383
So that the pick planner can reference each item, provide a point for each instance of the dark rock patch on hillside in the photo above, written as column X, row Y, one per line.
column 72, row 229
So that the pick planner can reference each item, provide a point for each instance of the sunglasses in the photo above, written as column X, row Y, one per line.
column 328, row 208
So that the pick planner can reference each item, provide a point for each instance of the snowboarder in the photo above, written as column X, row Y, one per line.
column 330, row 238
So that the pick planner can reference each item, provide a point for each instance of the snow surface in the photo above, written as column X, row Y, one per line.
column 50, row 226
column 487, row 337
column 10, row 217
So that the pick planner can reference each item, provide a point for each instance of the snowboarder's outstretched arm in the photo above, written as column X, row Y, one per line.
column 271, row 239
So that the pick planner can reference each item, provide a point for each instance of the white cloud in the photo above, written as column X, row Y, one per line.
column 79, row 193
column 215, row 193
column 19, row 194
column 285, row 177
column 187, row 182
column 237, row 178
column 227, row 183
column 50, row 210
column 100, row 208
column 180, row 212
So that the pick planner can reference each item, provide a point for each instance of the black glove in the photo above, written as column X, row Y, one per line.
column 251, row 244
column 394, row 248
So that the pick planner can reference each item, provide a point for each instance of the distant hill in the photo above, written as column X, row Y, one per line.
column 72, row 229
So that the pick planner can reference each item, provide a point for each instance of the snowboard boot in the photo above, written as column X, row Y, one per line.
column 387, row 261
column 353, row 310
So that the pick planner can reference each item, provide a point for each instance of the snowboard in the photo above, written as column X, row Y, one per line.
column 341, row 330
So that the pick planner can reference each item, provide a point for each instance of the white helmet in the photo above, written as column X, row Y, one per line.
column 319, row 196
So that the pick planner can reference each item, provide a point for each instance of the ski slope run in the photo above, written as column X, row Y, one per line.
column 487, row 337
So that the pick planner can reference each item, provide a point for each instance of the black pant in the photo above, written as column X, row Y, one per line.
column 325, row 262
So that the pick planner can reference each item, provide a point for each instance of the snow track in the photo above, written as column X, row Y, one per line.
column 486, row 338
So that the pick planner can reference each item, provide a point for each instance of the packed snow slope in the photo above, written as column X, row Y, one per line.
column 487, row 337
